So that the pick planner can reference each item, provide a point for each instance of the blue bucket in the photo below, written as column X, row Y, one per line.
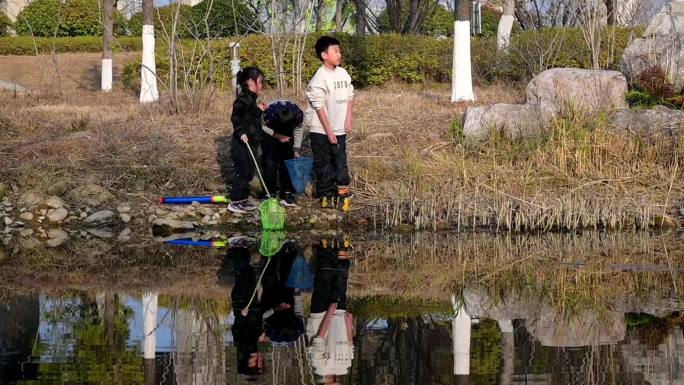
column 300, row 172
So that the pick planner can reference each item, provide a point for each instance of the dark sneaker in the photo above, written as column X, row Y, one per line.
column 241, row 207
column 289, row 200
column 241, row 241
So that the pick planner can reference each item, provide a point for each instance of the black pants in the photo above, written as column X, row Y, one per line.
column 330, row 279
column 330, row 163
column 274, row 170
column 243, row 167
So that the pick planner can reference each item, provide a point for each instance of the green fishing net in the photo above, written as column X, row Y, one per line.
column 271, row 242
column 272, row 214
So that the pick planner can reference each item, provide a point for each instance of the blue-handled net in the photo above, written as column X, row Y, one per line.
column 299, row 170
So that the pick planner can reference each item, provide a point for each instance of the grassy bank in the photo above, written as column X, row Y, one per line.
column 410, row 165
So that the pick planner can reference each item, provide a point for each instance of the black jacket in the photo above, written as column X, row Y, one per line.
column 246, row 116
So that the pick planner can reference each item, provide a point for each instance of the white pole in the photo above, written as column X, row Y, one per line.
column 460, row 328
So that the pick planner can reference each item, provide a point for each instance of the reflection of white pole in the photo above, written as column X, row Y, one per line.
column 460, row 328
column 149, row 303
column 507, row 351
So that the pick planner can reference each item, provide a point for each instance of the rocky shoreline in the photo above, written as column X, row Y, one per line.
column 92, row 211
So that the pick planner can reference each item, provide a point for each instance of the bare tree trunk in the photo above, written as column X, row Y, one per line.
column 461, row 75
column 148, row 72
column 107, row 37
column 339, row 14
column 319, row 12
column 610, row 7
column 505, row 25
column 360, row 17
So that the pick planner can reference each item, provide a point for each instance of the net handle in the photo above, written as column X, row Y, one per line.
column 249, row 148
column 256, row 287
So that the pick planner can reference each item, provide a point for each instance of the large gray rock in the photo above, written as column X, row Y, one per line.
column 12, row 86
column 57, row 215
column 514, row 120
column 100, row 216
column 90, row 194
column 661, row 45
column 658, row 121
column 30, row 199
column 561, row 91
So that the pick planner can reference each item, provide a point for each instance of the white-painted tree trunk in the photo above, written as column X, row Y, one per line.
column 148, row 72
column 462, row 77
column 460, row 328
column 149, row 304
column 503, row 32
column 106, row 75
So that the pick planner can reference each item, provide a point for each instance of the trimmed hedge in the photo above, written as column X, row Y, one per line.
column 26, row 45
column 377, row 59
column 75, row 17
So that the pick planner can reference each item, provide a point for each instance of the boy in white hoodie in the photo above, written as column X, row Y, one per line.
column 329, row 117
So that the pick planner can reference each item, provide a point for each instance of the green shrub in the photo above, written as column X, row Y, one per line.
column 75, row 18
column 26, row 45
column 5, row 24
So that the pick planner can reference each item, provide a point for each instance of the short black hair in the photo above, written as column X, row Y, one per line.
column 247, row 74
column 286, row 116
column 284, row 326
column 323, row 43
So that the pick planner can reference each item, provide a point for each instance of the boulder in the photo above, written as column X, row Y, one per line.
column 90, row 194
column 54, row 202
column 12, row 87
column 661, row 45
column 100, row 216
column 514, row 120
column 57, row 215
column 661, row 120
column 30, row 199
column 562, row 91
column 58, row 188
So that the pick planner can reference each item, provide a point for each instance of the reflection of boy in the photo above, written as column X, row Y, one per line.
column 330, row 327
column 247, row 330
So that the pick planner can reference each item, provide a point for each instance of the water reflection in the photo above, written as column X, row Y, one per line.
column 299, row 329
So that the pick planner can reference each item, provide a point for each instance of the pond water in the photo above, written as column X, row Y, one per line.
column 565, row 309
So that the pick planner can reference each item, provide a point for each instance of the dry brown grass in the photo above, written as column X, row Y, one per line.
column 408, row 164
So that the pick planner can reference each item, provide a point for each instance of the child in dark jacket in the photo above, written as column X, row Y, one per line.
column 246, row 119
column 283, row 127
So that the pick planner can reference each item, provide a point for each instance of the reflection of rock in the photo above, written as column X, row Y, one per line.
column 199, row 355
column 584, row 329
column 662, row 364
column 548, row 326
